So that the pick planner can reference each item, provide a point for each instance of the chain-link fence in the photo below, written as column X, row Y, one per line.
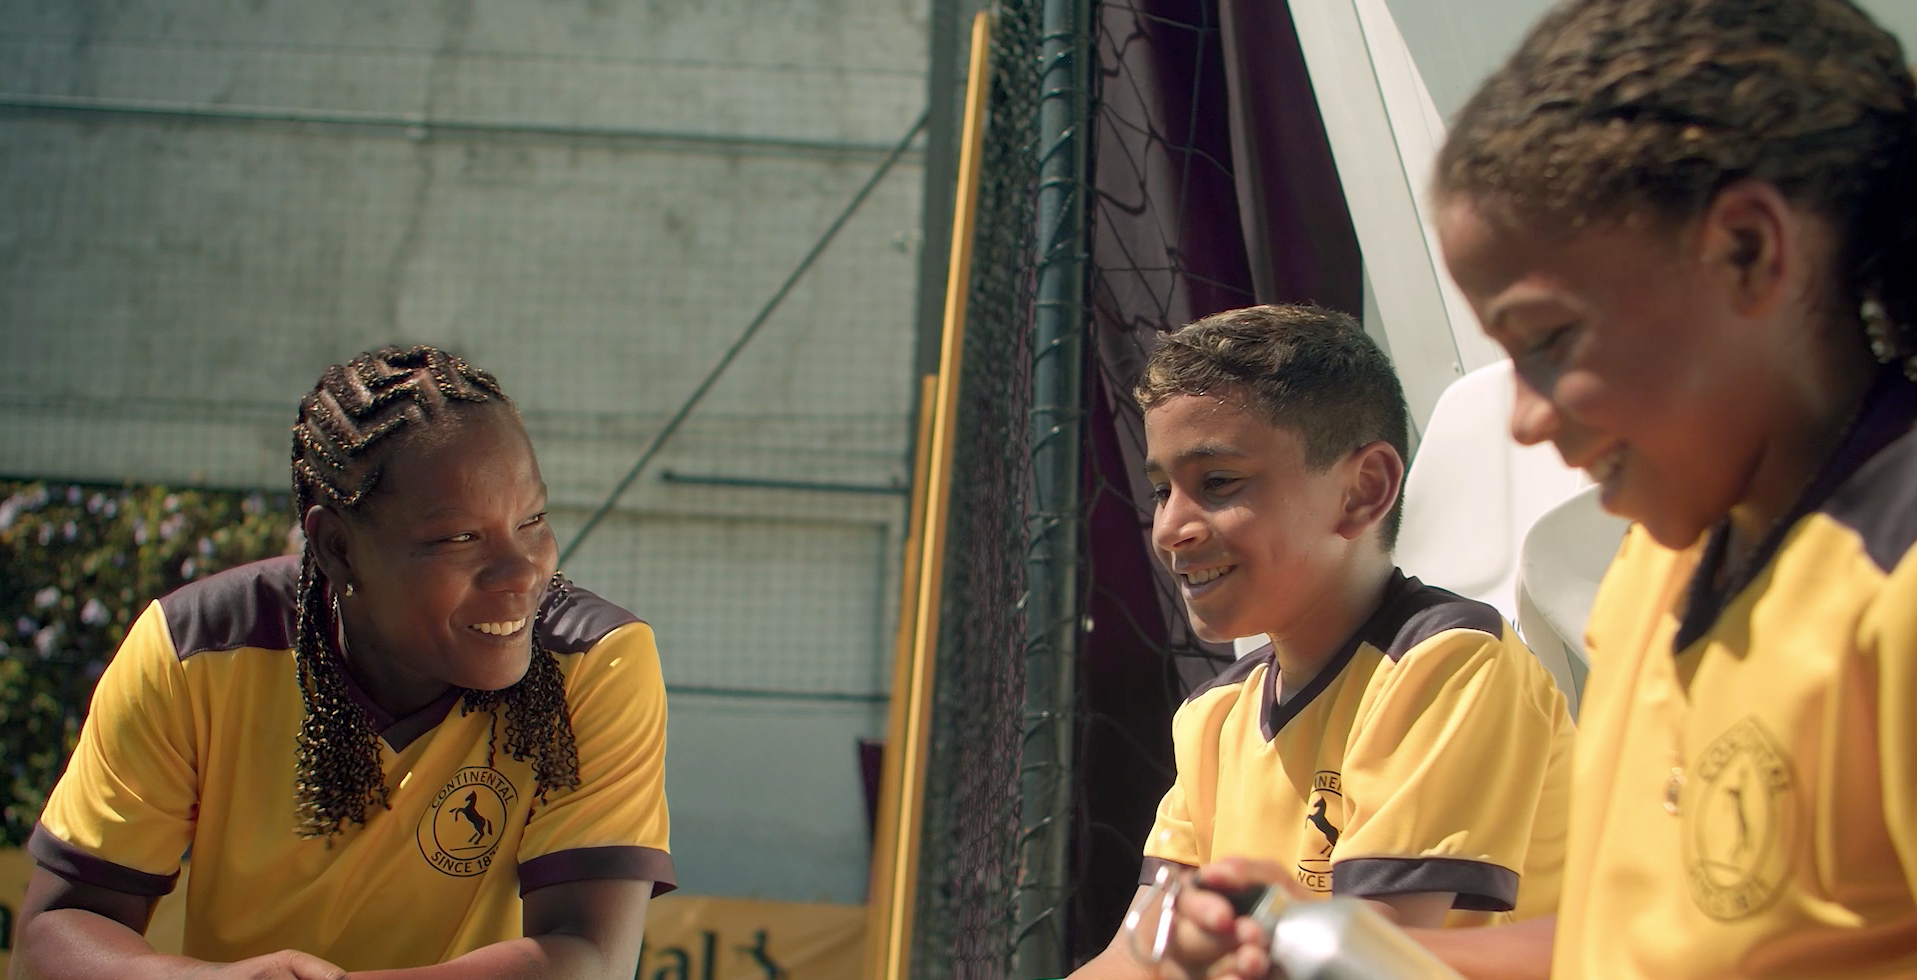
column 967, row 906
column 1173, row 229
column 202, row 204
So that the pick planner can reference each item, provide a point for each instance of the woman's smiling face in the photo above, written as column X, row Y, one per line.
column 449, row 557
column 1632, row 357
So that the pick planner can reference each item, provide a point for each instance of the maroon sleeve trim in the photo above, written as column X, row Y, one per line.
column 1479, row 885
column 73, row 864
column 589, row 863
column 1149, row 870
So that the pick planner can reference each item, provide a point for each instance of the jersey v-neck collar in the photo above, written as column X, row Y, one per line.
column 399, row 732
column 1276, row 715
column 1889, row 407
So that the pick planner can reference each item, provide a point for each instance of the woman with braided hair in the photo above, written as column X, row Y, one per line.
column 1693, row 226
column 413, row 753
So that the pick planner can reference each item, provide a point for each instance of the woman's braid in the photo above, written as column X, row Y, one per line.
column 343, row 423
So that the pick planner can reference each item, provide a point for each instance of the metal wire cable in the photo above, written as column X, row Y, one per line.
column 745, row 337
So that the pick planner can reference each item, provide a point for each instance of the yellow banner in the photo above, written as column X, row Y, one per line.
column 694, row 938
column 688, row 937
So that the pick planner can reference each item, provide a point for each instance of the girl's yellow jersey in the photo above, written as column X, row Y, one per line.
column 1745, row 801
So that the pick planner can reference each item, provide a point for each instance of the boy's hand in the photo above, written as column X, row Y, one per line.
column 1209, row 939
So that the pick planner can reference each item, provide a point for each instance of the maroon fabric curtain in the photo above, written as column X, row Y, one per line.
column 1213, row 188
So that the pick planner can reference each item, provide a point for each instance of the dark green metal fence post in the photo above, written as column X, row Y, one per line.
column 1052, row 612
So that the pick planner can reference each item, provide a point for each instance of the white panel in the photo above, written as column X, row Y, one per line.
column 1383, row 133
column 1472, row 492
column 1418, row 131
column 1565, row 556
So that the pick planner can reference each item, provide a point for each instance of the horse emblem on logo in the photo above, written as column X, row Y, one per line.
column 1321, row 835
column 462, row 828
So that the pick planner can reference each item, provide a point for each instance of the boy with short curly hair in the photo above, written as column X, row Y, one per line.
column 1394, row 741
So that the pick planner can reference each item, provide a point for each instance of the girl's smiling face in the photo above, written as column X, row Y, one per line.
column 1667, row 362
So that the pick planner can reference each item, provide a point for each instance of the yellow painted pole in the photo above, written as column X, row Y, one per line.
column 886, row 824
column 902, row 801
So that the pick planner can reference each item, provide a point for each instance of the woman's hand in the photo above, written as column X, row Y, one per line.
column 287, row 964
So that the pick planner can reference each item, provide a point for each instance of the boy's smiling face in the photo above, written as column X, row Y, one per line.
column 1249, row 531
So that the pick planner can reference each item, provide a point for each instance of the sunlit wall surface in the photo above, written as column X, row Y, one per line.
column 202, row 203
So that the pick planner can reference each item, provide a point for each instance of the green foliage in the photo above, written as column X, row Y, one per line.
column 77, row 565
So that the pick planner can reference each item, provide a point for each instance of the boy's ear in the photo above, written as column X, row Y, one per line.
column 1377, row 474
column 326, row 535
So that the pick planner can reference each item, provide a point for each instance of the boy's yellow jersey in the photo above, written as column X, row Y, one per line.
column 190, row 746
column 1747, row 775
column 1431, row 754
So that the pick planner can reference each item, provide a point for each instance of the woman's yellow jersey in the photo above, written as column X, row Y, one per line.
column 190, row 747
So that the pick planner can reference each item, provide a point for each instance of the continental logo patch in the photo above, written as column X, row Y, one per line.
column 1740, row 827
column 1326, row 802
column 463, row 826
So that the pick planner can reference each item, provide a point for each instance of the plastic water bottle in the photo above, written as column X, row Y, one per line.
column 1337, row 939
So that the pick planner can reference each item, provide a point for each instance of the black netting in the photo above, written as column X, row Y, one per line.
column 1166, row 248
column 1196, row 201
column 966, row 911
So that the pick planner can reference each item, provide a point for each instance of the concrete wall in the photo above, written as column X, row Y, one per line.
column 202, row 203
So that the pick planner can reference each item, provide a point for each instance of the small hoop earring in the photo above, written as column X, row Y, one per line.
column 1885, row 344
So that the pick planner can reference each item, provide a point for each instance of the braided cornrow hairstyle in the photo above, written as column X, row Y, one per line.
column 1619, row 109
column 357, row 410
